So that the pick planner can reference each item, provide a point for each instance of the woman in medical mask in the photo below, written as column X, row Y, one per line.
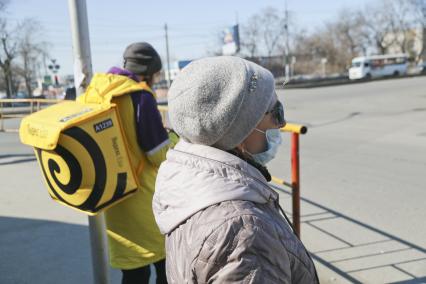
column 212, row 199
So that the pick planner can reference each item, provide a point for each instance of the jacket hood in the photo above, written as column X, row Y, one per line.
column 196, row 176
column 123, row 72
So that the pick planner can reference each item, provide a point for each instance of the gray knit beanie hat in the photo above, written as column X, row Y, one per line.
column 218, row 101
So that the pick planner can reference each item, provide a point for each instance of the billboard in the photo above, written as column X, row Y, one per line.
column 231, row 40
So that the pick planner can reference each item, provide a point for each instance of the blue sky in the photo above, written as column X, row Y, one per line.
column 193, row 25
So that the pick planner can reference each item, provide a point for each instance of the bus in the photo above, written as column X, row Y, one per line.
column 378, row 66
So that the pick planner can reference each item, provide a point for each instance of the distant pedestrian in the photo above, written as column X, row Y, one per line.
column 212, row 200
column 70, row 94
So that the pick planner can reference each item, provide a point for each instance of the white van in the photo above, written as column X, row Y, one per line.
column 378, row 66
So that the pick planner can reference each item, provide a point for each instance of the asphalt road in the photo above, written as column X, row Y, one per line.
column 365, row 151
column 364, row 157
column 362, row 160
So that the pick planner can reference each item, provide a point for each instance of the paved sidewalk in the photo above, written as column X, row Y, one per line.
column 348, row 251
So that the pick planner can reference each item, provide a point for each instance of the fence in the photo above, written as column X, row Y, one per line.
column 18, row 108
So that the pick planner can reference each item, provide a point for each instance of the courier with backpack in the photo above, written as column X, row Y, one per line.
column 123, row 132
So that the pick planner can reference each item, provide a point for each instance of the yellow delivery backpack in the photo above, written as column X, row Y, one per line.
column 81, row 148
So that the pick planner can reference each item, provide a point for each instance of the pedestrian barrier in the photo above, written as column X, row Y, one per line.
column 295, row 130
column 8, row 109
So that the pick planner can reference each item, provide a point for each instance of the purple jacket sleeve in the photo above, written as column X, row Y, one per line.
column 151, row 133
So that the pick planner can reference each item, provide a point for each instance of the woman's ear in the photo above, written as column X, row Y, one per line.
column 241, row 150
column 240, row 147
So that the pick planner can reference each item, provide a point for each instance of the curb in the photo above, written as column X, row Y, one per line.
column 336, row 82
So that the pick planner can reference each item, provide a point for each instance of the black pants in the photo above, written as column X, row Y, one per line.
column 141, row 275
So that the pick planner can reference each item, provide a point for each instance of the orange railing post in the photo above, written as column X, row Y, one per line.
column 295, row 130
column 295, row 181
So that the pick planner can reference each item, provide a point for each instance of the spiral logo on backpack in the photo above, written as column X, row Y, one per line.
column 82, row 154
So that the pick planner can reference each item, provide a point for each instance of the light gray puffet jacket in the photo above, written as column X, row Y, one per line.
column 222, row 222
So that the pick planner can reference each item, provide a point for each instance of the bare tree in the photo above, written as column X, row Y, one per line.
column 250, row 36
column 338, row 41
column 402, row 22
column 264, row 32
column 348, row 30
column 389, row 23
column 311, row 48
column 21, row 48
column 9, row 54
column 30, row 49
column 3, row 5
column 419, row 12
column 272, row 28
column 376, row 23
column 7, row 50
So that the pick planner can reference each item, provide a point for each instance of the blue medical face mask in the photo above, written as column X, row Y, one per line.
column 274, row 140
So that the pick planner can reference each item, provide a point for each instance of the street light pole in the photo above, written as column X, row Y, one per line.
column 323, row 63
column 168, row 57
column 287, row 49
column 81, row 44
column 82, row 76
column 54, row 68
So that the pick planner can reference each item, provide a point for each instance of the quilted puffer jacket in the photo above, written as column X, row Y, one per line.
column 222, row 222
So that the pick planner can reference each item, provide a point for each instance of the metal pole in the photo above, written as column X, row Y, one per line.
column 1, row 117
column 168, row 57
column 9, row 84
column 287, row 48
column 81, row 44
column 295, row 181
column 82, row 77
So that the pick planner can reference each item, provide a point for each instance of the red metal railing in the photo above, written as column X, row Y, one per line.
column 295, row 131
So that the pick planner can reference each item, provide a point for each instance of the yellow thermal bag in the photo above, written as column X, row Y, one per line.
column 81, row 148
